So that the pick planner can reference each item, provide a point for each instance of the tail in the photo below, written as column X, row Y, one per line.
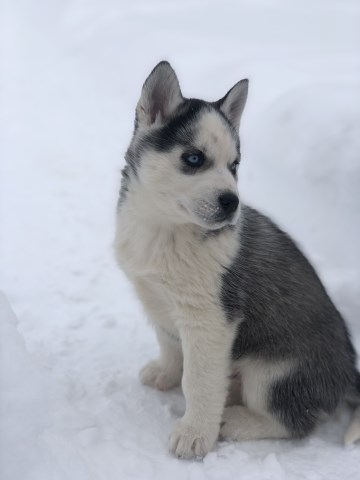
column 353, row 432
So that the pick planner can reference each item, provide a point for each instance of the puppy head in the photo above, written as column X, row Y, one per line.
column 185, row 153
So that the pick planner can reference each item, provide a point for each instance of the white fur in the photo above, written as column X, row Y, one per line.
column 352, row 434
column 178, row 282
column 215, row 139
column 255, row 376
column 166, row 371
column 250, row 386
column 240, row 423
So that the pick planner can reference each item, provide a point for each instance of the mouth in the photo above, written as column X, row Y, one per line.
column 209, row 216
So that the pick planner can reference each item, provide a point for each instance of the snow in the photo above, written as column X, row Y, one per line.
column 71, row 406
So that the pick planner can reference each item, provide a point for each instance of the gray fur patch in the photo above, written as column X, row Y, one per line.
column 284, row 312
column 125, row 179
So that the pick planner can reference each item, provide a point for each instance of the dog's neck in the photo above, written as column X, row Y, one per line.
column 144, row 242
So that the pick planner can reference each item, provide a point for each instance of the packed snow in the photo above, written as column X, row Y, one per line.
column 71, row 405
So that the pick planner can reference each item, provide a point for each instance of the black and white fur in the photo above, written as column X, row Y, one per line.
column 241, row 317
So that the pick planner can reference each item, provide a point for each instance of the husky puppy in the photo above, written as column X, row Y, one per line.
column 242, row 320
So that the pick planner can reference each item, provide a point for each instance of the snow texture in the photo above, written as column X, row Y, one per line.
column 71, row 405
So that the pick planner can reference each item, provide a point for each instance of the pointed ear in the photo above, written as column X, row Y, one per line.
column 232, row 105
column 160, row 96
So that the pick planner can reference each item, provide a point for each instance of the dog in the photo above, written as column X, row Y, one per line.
column 242, row 319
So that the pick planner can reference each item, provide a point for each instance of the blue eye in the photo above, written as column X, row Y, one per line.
column 193, row 159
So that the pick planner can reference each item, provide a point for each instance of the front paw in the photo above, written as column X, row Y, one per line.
column 189, row 440
column 156, row 376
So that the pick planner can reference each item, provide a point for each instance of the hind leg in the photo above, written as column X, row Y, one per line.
column 240, row 423
column 247, row 416
column 287, row 405
column 275, row 402
column 234, row 393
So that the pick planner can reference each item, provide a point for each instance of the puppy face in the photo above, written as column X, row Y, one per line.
column 185, row 155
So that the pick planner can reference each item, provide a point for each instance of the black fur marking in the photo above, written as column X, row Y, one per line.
column 179, row 130
column 233, row 171
column 301, row 398
column 353, row 396
column 284, row 313
column 125, row 179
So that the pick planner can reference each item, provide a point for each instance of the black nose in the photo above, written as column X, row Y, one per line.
column 229, row 202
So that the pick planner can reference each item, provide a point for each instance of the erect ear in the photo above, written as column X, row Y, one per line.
column 232, row 105
column 160, row 96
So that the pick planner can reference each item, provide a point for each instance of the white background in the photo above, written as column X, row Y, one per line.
column 71, row 406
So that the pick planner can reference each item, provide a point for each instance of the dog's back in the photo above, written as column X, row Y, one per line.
column 287, row 316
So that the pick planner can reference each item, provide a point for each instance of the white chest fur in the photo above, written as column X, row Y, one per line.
column 178, row 259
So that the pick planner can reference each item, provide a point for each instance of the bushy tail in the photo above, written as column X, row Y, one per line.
column 353, row 432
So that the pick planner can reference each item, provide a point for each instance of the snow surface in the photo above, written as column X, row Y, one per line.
column 71, row 406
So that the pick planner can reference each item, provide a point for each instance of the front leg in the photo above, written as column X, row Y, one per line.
column 165, row 372
column 206, row 341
